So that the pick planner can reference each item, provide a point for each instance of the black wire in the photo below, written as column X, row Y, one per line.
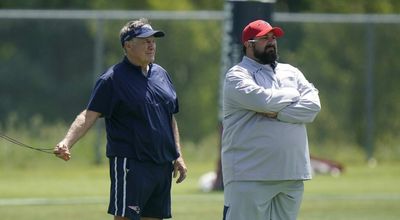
column 44, row 150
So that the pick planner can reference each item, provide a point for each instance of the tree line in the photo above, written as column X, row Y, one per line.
column 47, row 66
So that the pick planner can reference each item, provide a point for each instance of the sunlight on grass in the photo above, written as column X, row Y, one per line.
column 43, row 187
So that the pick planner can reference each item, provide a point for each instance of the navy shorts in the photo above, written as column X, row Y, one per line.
column 140, row 189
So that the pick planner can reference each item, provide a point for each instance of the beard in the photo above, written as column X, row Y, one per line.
column 267, row 56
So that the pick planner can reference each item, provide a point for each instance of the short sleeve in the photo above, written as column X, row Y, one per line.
column 101, row 99
column 171, row 84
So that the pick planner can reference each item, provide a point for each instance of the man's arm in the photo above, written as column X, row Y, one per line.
column 306, row 108
column 241, row 91
column 78, row 129
column 179, row 164
column 303, row 111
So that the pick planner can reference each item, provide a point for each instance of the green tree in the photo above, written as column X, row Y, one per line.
column 46, row 66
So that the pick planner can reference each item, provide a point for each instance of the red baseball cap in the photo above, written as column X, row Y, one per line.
column 259, row 28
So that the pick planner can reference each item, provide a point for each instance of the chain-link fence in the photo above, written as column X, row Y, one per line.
column 49, row 60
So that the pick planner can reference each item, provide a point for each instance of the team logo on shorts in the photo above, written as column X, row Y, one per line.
column 135, row 208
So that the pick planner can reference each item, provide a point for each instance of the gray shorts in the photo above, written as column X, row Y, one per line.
column 263, row 200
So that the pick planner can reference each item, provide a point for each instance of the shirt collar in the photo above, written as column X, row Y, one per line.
column 255, row 66
column 138, row 68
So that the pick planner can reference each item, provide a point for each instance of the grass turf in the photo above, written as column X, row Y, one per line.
column 75, row 191
column 39, row 186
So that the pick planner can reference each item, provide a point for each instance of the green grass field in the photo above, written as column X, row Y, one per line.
column 41, row 187
column 70, row 191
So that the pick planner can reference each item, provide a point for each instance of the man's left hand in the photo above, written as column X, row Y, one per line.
column 179, row 166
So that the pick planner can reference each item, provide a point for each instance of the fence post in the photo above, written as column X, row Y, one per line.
column 98, row 67
column 238, row 14
column 369, row 93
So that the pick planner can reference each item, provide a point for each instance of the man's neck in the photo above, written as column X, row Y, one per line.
column 144, row 66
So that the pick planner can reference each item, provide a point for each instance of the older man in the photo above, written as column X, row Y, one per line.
column 137, row 100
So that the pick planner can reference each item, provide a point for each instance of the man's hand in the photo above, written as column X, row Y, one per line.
column 269, row 114
column 62, row 151
column 179, row 166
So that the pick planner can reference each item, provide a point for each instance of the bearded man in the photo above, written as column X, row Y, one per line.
column 265, row 155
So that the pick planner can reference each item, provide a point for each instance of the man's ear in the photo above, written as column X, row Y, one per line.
column 248, row 44
column 126, row 45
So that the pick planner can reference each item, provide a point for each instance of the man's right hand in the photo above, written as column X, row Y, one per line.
column 62, row 151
